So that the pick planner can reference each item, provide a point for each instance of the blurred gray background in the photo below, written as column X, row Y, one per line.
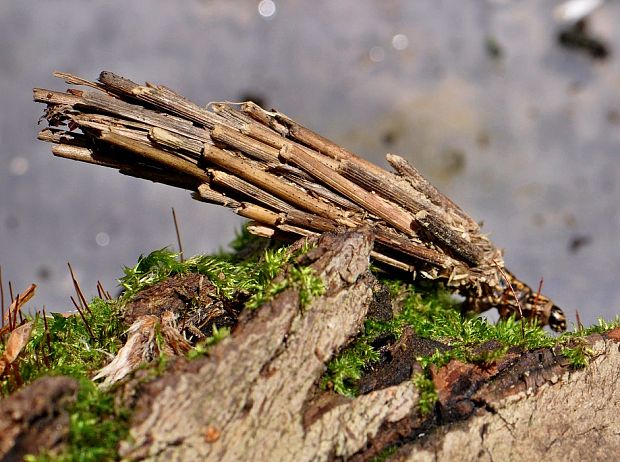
column 523, row 133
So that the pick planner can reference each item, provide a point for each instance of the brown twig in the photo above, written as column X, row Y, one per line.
column 578, row 319
column 48, row 340
column 81, row 313
column 78, row 290
column 103, row 294
column 176, row 229
column 539, row 291
column 514, row 294
column 16, row 306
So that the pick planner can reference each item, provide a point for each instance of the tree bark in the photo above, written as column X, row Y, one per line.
column 572, row 417
column 36, row 418
column 256, row 396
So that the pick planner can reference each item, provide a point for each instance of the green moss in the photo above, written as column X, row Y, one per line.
column 253, row 277
column 575, row 349
column 346, row 369
column 431, row 313
column 202, row 348
column 578, row 354
column 68, row 346
column 601, row 327
column 309, row 285
column 97, row 425
column 428, row 393
column 301, row 278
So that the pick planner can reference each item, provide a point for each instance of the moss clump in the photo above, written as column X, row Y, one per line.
column 602, row 327
column 431, row 313
column 346, row 369
column 202, row 348
column 578, row 355
column 575, row 349
column 97, row 425
column 68, row 347
column 427, row 391
column 78, row 346
column 253, row 278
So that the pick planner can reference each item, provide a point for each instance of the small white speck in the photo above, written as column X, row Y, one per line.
column 376, row 54
column 267, row 8
column 18, row 166
column 400, row 42
column 576, row 10
column 102, row 239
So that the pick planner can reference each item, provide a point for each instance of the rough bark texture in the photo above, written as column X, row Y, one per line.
column 256, row 396
column 36, row 418
column 252, row 399
column 574, row 417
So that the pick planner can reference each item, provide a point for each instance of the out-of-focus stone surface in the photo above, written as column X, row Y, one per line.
column 527, row 141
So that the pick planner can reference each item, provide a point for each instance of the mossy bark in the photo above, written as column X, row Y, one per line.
column 258, row 394
column 36, row 418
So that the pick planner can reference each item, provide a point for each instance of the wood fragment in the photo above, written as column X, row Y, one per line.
column 75, row 80
column 54, row 135
column 177, row 142
column 260, row 115
column 269, row 182
column 82, row 155
column 117, row 84
column 392, row 214
column 235, row 184
column 41, row 95
column 411, row 174
column 158, row 156
column 205, row 193
column 174, row 103
column 254, row 148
